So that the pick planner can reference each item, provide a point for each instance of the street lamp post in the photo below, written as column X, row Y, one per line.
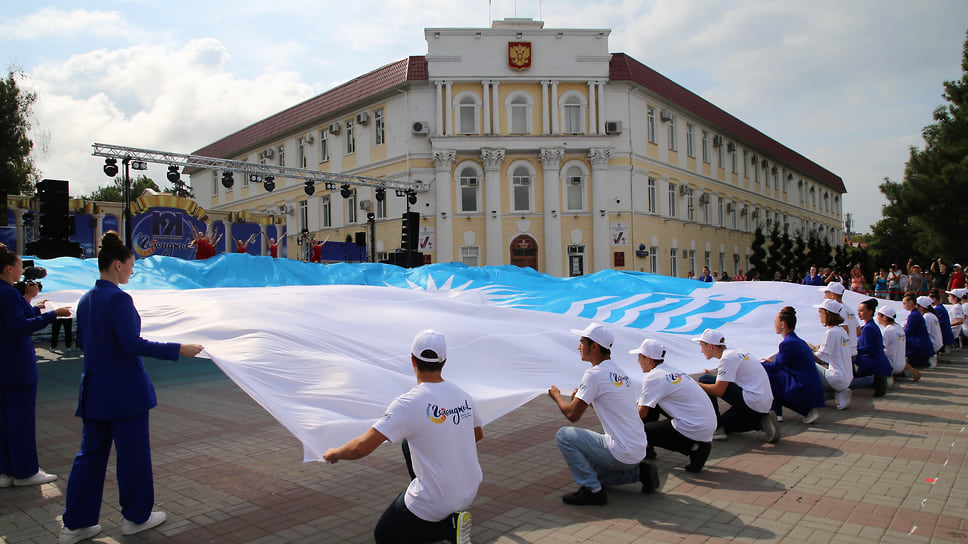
column 126, row 196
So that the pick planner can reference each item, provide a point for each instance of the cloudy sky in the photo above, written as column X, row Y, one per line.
column 850, row 85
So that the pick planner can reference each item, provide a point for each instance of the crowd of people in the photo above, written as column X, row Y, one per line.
column 436, row 422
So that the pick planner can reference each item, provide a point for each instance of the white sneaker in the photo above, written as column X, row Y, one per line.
column 779, row 418
column 70, row 536
column 129, row 527
column 843, row 399
column 770, row 427
column 933, row 361
column 812, row 416
column 720, row 434
column 6, row 480
column 40, row 478
column 890, row 382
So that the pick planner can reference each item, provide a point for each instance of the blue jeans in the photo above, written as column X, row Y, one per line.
column 590, row 461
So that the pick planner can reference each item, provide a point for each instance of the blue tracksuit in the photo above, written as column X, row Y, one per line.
column 870, row 358
column 794, row 377
column 947, row 337
column 918, row 345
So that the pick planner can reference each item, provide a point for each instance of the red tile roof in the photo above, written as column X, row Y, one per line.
column 625, row 68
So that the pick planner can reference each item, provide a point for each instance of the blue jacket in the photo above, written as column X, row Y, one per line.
column 114, row 384
column 917, row 344
column 870, row 358
column 816, row 280
column 947, row 337
column 18, row 320
column 796, row 359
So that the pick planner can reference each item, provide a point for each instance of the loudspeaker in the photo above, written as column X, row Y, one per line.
column 360, row 238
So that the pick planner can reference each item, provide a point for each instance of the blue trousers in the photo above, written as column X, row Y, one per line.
column 590, row 460
column 85, row 487
column 18, row 430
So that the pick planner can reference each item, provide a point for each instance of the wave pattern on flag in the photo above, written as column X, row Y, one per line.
column 325, row 349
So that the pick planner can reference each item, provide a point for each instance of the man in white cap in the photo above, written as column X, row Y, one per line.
column 956, row 314
column 690, row 418
column 934, row 328
column 835, row 291
column 743, row 383
column 439, row 426
column 894, row 343
column 613, row 458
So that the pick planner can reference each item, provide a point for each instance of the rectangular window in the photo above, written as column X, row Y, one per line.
column 690, row 144
column 378, row 128
column 692, row 260
column 652, row 195
column 381, row 208
column 214, row 183
column 719, row 157
column 776, row 178
column 467, row 118
column 301, row 153
column 574, row 193
column 691, row 205
column 519, row 118
column 674, row 262
column 571, row 118
column 350, row 138
column 673, row 204
column 468, row 191
column 732, row 216
column 673, row 137
column 706, row 262
column 732, row 158
column 576, row 261
column 303, row 215
column 651, row 111
column 323, row 145
column 722, row 262
column 521, row 187
column 244, row 176
column 746, row 166
column 327, row 211
column 704, row 203
column 351, row 207
column 470, row 256
column 654, row 259
column 281, row 153
column 705, row 147
column 721, row 217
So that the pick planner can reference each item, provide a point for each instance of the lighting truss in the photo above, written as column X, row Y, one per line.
column 250, row 168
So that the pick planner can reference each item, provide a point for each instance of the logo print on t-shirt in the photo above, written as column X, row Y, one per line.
column 618, row 381
column 674, row 378
column 843, row 342
column 435, row 414
column 438, row 415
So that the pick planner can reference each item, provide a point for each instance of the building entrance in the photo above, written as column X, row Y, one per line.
column 524, row 251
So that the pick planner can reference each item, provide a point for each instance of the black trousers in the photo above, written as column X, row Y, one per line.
column 664, row 435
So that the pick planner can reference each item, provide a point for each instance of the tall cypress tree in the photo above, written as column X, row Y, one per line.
column 758, row 257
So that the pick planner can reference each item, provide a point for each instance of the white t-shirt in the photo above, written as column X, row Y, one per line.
column 437, row 420
column 607, row 388
column 852, row 324
column 835, row 352
column 934, row 330
column 737, row 367
column 964, row 326
column 681, row 397
column 955, row 312
column 894, row 341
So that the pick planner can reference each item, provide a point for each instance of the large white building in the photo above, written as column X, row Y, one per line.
column 537, row 147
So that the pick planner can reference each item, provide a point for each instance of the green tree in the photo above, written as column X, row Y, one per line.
column 799, row 257
column 777, row 258
column 925, row 216
column 758, row 256
column 182, row 189
column 17, row 169
column 115, row 191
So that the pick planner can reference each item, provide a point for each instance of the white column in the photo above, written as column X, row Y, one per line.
column 448, row 107
column 554, row 107
column 18, row 215
column 496, row 107
column 493, row 222
column 600, row 222
column 545, row 109
column 98, row 229
column 592, row 124
column 438, row 108
column 601, row 107
column 486, row 112
column 262, row 239
column 443, row 183
column 551, row 163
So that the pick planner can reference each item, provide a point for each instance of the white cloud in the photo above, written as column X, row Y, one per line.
column 58, row 23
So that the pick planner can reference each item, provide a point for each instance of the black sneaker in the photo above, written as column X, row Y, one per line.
column 461, row 522
column 698, row 457
column 649, row 476
column 584, row 496
column 650, row 452
column 880, row 386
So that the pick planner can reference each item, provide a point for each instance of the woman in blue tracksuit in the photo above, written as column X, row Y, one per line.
column 18, row 377
column 871, row 366
column 918, row 347
column 793, row 374
column 114, row 400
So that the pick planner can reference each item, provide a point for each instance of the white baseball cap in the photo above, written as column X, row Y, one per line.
column 924, row 302
column 651, row 349
column 836, row 288
column 597, row 333
column 832, row 306
column 429, row 340
column 711, row 337
column 887, row 312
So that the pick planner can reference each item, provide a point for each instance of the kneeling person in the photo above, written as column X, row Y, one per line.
column 439, row 425
column 691, row 419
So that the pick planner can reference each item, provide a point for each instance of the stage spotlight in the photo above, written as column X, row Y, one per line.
column 139, row 165
column 330, row 186
column 381, row 193
column 227, row 180
column 110, row 167
column 310, row 187
column 255, row 178
column 411, row 197
column 269, row 183
column 173, row 174
column 345, row 191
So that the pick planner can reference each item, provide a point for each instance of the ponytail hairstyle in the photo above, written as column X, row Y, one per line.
column 788, row 316
column 7, row 257
column 112, row 249
column 870, row 304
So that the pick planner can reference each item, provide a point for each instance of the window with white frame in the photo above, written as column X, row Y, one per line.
column 351, row 215
column 519, row 106
column 574, row 189
column 281, row 153
column 746, row 218
column 720, row 160
column 731, row 215
column 323, row 145
column 690, row 143
column 756, row 170
column 732, row 158
column 470, row 189
column 576, row 261
column 704, row 206
column 303, row 215
column 692, row 260
column 470, row 255
column 746, row 165
column 722, row 261
column 706, row 262
column 766, row 174
column 214, row 183
column 673, row 137
column 651, row 124
column 468, row 113
column 720, row 215
column 326, row 213
column 776, row 177
column 381, row 207
column 705, row 147
column 674, row 262
column 654, row 259
column 691, row 205
column 521, row 189
column 350, row 136
column 572, row 113
column 673, row 202
column 653, row 195
column 301, row 153
column 379, row 128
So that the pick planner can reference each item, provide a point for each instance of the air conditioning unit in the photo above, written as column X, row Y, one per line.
column 717, row 141
column 744, row 211
column 731, row 146
column 420, row 127
column 366, row 205
column 472, row 182
column 363, row 118
column 753, row 159
column 267, row 153
column 574, row 180
column 285, row 209
column 665, row 115
column 756, row 214
column 613, row 127
column 683, row 190
column 774, row 170
column 309, row 138
column 334, row 128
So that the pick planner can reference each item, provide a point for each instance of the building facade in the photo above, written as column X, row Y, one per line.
column 537, row 147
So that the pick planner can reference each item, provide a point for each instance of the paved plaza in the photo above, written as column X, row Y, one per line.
column 886, row 470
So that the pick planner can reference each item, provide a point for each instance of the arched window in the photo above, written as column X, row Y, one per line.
column 469, row 188
column 572, row 106
column 468, row 107
column 574, row 188
column 519, row 106
column 521, row 178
